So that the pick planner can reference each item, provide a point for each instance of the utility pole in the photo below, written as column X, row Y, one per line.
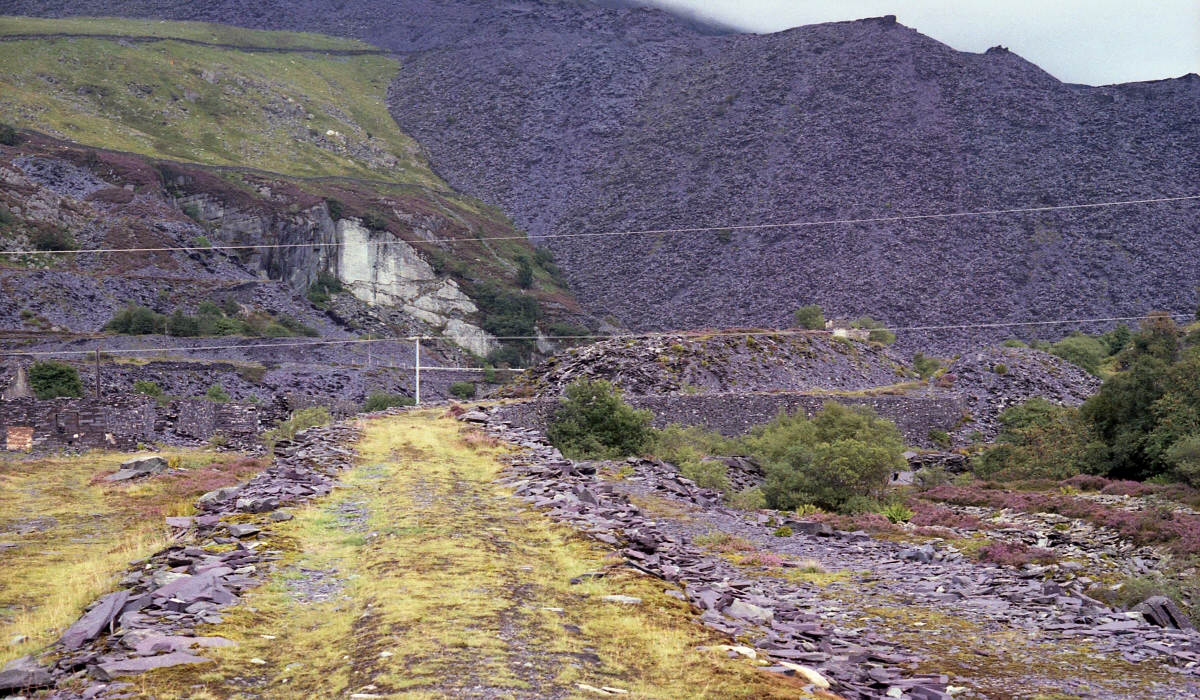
column 418, row 365
column 97, row 372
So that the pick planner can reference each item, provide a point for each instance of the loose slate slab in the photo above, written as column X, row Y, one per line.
column 95, row 621
column 24, row 673
column 240, row 531
column 127, row 667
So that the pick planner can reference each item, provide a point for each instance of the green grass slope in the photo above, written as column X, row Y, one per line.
column 297, row 112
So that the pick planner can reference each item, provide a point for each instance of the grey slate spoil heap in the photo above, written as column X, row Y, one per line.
column 150, row 623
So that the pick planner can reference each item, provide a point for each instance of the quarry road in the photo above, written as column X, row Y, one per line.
column 421, row 577
column 876, row 618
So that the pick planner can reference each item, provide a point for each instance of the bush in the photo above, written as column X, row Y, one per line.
column 216, row 392
column 50, row 380
column 295, row 327
column 878, row 333
column 1038, row 440
column 54, row 240
column 379, row 401
column 322, row 290
column 6, row 216
column 335, row 208
column 181, row 325
column 1082, row 351
column 9, row 135
column 940, row 438
column 1185, row 458
column 375, row 221
column 136, row 320
column 463, row 390
column 192, row 212
column 1000, row 369
column 687, row 447
column 201, row 242
column 926, row 367
column 147, row 388
column 300, row 420
column 594, row 422
column 897, row 513
column 1014, row 343
column 843, row 453
column 810, row 317
column 524, row 273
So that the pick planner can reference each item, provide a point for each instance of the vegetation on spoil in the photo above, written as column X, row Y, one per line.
column 443, row 586
column 297, row 113
column 300, row 420
column 594, row 422
column 810, row 317
column 50, row 379
column 210, row 320
column 380, row 401
column 74, row 534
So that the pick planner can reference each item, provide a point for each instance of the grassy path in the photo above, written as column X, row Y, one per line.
column 422, row 579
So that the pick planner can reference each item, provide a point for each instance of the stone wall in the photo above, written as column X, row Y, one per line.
column 736, row 414
column 202, row 419
column 119, row 422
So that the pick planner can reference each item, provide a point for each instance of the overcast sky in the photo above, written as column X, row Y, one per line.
column 1097, row 42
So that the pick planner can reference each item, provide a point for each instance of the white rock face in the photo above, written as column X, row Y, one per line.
column 390, row 272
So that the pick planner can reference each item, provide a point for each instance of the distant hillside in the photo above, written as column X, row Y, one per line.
column 197, row 136
column 580, row 119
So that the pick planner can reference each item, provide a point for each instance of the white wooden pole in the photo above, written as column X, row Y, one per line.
column 418, row 392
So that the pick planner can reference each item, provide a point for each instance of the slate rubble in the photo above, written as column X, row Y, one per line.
column 152, row 621
column 791, row 623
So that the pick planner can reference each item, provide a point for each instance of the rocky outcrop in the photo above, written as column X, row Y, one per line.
column 382, row 269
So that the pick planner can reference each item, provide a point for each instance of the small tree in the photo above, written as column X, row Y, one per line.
column 1038, row 440
column 51, row 379
column 181, row 325
column 9, row 135
column 926, row 367
column 136, row 320
column 810, row 317
column 595, row 422
column 524, row 273
column 843, row 456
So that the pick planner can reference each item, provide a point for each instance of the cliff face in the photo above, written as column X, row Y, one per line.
column 579, row 119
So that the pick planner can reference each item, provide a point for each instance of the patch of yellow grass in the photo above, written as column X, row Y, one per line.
column 78, row 537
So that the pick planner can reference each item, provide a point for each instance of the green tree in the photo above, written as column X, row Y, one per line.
column 841, row 457
column 595, row 423
column 810, row 317
column 181, row 325
column 524, row 273
column 51, row 379
column 1038, row 440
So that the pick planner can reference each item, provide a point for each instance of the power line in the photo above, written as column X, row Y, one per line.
column 664, row 231
column 628, row 336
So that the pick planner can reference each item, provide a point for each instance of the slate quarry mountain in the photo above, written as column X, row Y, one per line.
column 582, row 119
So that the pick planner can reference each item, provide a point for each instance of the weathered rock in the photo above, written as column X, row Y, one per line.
column 751, row 613
column 812, row 529
column 127, row 667
column 91, row 624
column 240, row 530
column 23, row 674
column 1162, row 611
column 624, row 599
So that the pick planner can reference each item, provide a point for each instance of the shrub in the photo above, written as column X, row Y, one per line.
column 810, row 317
column 929, row 477
column 231, row 307
column 1082, row 351
column 687, row 446
column 181, row 325
column 6, row 216
column 295, row 327
column 463, row 390
column 1014, row 343
column 9, row 135
column 524, row 273
column 1000, row 369
column 201, row 242
column 1038, row 440
column 926, row 367
column 136, row 320
column 842, row 453
column 208, row 308
column 940, row 438
column 379, row 401
column 1185, row 456
column 750, row 499
column 216, row 392
column 300, row 420
column 1015, row 554
column 335, row 208
column 897, row 513
column 878, row 334
column 322, row 290
column 595, row 422
column 147, row 388
column 54, row 239
column 784, row 531
column 192, row 212
column 375, row 221
column 50, row 380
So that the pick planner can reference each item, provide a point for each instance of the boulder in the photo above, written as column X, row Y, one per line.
column 804, row 527
column 750, row 613
column 135, row 665
column 94, row 622
column 474, row 417
column 1162, row 611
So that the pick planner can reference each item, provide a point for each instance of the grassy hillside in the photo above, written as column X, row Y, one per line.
column 296, row 113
